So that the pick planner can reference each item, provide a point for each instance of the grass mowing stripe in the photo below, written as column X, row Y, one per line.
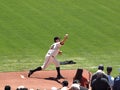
column 91, row 9
column 106, row 6
column 45, row 19
column 14, row 14
column 23, row 18
column 11, row 38
column 111, row 5
column 106, row 37
column 109, row 13
column 95, row 28
column 95, row 16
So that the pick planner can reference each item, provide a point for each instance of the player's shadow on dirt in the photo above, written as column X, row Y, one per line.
column 53, row 79
column 50, row 78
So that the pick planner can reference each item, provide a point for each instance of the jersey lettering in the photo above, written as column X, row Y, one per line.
column 52, row 47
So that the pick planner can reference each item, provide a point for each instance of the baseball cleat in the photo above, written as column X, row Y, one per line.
column 30, row 73
column 60, row 77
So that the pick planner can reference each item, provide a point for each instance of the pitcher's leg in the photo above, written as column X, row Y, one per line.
column 57, row 64
column 34, row 70
column 59, row 76
column 45, row 64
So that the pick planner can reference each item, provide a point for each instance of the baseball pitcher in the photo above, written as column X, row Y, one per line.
column 50, row 57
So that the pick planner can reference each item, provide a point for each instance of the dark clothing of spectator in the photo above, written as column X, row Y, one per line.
column 22, row 89
column 100, row 84
column 99, row 74
column 7, row 87
column 83, row 88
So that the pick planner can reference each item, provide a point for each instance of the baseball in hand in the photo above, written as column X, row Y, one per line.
column 66, row 34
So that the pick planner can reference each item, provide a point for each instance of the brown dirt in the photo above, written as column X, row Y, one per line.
column 42, row 80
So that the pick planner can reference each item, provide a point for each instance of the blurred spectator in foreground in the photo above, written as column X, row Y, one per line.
column 53, row 88
column 7, row 87
column 64, row 85
column 100, row 70
column 110, row 78
column 116, row 85
column 83, row 76
column 76, row 86
column 100, row 82
column 21, row 88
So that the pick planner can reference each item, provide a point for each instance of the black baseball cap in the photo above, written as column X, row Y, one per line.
column 55, row 38
column 109, row 68
column 65, row 83
column 101, row 67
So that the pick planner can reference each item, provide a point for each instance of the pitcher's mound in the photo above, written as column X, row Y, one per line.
column 42, row 80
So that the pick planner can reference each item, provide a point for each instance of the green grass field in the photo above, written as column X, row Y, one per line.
column 27, row 28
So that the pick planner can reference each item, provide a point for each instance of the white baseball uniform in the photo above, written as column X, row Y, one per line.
column 51, row 55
